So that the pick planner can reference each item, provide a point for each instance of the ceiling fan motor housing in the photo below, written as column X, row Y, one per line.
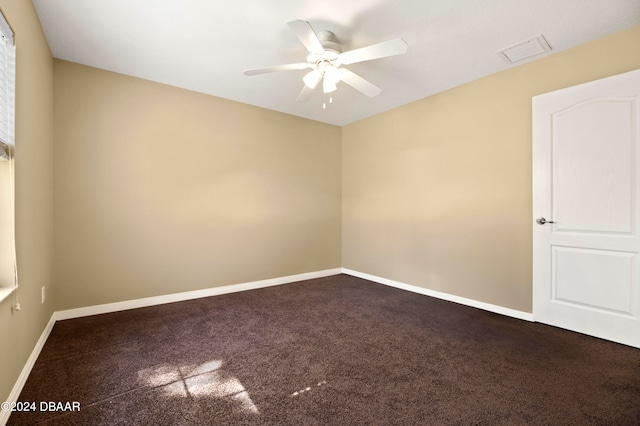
column 332, row 51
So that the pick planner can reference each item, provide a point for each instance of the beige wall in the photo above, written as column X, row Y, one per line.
column 19, row 331
column 438, row 193
column 161, row 190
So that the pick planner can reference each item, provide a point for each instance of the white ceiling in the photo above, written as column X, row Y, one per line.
column 205, row 45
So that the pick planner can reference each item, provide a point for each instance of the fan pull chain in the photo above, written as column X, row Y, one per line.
column 324, row 103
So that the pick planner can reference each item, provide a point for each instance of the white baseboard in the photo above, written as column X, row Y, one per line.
column 188, row 295
column 444, row 296
column 26, row 370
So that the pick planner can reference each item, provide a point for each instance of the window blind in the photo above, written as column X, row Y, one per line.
column 7, row 82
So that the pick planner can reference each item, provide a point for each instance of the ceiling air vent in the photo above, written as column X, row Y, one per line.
column 525, row 49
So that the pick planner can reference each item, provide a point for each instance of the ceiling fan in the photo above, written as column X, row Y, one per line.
column 325, row 58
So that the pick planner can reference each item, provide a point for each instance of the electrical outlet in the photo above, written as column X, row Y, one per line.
column 43, row 294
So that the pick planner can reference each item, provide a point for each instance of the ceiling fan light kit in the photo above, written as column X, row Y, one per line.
column 325, row 58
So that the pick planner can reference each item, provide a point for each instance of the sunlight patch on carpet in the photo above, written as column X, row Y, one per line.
column 308, row 389
column 158, row 376
column 199, row 380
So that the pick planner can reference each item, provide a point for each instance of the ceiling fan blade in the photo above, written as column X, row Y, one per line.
column 375, row 51
column 359, row 83
column 306, row 35
column 256, row 71
column 305, row 94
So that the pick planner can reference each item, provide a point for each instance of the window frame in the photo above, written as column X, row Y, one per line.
column 7, row 139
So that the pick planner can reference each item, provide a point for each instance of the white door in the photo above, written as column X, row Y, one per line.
column 586, row 211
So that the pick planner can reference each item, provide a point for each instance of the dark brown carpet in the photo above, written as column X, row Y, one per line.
column 336, row 350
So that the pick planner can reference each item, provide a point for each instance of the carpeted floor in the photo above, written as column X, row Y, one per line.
column 335, row 350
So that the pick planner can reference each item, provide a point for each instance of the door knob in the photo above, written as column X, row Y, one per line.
column 542, row 221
